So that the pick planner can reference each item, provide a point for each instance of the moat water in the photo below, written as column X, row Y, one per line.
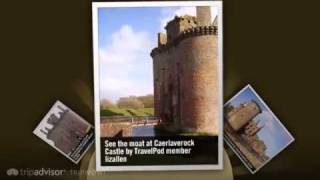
column 144, row 131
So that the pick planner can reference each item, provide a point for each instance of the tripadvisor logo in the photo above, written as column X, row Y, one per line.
column 35, row 172
column 12, row 172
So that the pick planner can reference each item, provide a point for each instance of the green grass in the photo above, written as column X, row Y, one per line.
column 127, row 112
column 148, row 111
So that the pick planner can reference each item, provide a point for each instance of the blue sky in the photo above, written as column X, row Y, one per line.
column 126, row 38
column 273, row 134
column 141, row 19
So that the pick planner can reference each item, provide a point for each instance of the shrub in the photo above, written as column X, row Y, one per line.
column 147, row 100
column 106, row 103
column 130, row 102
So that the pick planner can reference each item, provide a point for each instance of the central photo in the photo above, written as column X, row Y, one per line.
column 158, row 85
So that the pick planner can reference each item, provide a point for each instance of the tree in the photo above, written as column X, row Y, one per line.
column 106, row 103
column 130, row 102
column 147, row 100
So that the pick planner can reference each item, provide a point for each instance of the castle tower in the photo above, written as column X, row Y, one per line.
column 243, row 115
column 162, row 39
column 199, row 83
column 252, row 128
column 204, row 16
column 186, row 77
column 178, row 25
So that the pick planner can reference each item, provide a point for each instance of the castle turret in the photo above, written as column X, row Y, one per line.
column 162, row 39
column 252, row 128
column 204, row 16
column 243, row 115
column 178, row 25
column 186, row 77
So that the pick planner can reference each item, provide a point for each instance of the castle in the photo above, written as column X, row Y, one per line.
column 241, row 123
column 67, row 131
column 240, row 116
column 186, row 77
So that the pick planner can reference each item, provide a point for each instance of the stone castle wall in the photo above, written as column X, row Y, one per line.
column 241, row 116
column 111, row 129
column 186, row 75
column 199, row 84
column 67, row 130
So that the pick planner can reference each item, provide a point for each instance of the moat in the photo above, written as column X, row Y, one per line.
column 143, row 131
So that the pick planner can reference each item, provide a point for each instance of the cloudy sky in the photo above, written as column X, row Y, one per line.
column 273, row 134
column 126, row 38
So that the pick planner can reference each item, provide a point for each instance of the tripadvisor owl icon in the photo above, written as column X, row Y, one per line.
column 12, row 172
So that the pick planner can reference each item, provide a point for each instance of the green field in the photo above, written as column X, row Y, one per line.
column 127, row 112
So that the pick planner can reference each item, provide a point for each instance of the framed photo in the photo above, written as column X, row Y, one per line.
column 158, row 85
column 66, row 131
column 252, row 130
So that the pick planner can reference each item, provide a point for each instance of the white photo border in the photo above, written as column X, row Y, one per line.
column 95, row 7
